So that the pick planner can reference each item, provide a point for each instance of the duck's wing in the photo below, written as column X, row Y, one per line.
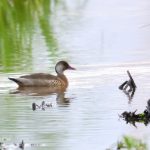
column 36, row 79
column 42, row 76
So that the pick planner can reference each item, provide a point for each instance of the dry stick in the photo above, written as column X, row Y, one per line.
column 132, row 81
column 122, row 85
column 33, row 106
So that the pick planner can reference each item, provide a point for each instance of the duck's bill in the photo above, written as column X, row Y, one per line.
column 71, row 68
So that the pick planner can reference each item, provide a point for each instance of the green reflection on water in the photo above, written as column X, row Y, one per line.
column 19, row 21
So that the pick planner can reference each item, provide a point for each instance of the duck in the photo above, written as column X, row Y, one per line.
column 45, row 79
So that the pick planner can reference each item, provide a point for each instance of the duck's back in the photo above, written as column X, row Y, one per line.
column 41, row 76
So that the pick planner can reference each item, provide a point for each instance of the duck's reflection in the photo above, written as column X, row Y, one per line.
column 62, row 100
column 44, row 91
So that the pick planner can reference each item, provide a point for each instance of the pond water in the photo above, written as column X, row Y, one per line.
column 102, row 40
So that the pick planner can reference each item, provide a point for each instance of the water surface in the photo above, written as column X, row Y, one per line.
column 102, row 39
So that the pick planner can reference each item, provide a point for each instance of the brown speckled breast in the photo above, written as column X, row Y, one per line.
column 56, row 83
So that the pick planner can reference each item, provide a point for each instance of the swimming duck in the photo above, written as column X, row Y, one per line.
column 44, row 79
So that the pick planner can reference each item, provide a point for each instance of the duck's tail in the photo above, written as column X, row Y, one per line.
column 16, row 81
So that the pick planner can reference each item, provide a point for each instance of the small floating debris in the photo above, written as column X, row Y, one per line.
column 132, row 117
column 43, row 106
column 12, row 146
column 22, row 145
column 129, row 86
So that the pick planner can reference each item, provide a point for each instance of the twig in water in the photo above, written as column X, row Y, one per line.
column 42, row 106
column 129, row 86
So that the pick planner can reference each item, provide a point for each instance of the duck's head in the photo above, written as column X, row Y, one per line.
column 61, row 66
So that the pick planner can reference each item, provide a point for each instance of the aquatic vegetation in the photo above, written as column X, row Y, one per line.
column 132, row 117
column 129, row 143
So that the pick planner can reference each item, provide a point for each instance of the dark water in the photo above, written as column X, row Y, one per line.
column 102, row 39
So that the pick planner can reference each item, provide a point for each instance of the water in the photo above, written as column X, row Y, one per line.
column 102, row 39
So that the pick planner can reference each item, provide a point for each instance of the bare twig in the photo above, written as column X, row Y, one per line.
column 128, row 87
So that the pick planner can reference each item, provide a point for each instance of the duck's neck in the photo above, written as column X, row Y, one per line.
column 63, row 78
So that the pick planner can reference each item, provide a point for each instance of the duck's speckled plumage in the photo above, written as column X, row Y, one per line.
column 43, row 79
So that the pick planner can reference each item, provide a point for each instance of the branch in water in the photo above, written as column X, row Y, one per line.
column 128, row 86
